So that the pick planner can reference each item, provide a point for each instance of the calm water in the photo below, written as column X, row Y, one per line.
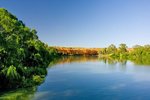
column 82, row 78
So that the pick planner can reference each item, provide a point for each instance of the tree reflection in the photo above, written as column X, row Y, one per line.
column 141, row 61
column 19, row 94
column 112, row 64
column 106, row 60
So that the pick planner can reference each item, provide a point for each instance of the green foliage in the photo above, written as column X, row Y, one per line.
column 37, row 79
column 137, row 53
column 22, row 54
column 111, row 49
column 12, row 73
column 141, row 54
column 122, row 48
column 114, row 52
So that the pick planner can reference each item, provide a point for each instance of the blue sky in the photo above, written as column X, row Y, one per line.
column 85, row 23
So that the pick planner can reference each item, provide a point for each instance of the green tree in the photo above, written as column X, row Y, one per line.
column 111, row 49
column 123, row 48
column 22, row 54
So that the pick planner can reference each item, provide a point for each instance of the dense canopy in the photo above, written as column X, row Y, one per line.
column 23, row 57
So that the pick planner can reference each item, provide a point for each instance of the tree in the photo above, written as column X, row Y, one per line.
column 22, row 54
column 123, row 48
column 111, row 49
column 103, row 51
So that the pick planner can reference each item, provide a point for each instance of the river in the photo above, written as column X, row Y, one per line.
column 89, row 78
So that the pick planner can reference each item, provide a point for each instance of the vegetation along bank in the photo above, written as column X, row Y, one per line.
column 24, row 58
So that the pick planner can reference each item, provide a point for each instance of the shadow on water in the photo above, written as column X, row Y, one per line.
column 29, row 93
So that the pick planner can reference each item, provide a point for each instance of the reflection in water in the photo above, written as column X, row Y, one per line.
column 19, row 94
column 79, row 59
column 110, row 61
column 73, row 59
column 103, row 66
column 142, row 61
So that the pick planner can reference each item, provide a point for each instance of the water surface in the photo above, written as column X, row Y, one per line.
column 89, row 78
